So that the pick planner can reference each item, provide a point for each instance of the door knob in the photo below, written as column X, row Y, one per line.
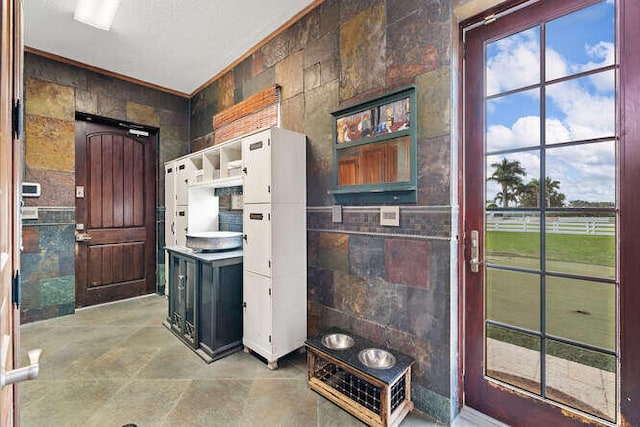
column 21, row 374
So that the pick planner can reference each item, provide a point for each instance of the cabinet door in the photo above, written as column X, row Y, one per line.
column 257, row 319
column 183, row 173
column 170, row 204
column 190, row 282
column 182, row 218
column 256, row 158
column 257, row 238
column 182, row 296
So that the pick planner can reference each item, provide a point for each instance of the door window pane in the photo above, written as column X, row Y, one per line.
column 580, row 109
column 509, row 177
column 582, row 311
column 513, row 62
column 513, row 298
column 585, row 175
column 513, row 357
column 582, row 244
column 581, row 378
column 513, row 239
column 513, row 121
column 570, row 49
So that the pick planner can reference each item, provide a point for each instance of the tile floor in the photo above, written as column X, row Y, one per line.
column 116, row 364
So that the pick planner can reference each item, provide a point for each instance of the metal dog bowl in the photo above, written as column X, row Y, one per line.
column 214, row 240
column 376, row 358
column 337, row 341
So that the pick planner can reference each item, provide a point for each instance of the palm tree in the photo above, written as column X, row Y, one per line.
column 529, row 193
column 507, row 173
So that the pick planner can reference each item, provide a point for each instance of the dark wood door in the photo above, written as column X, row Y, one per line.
column 115, row 215
column 550, row 165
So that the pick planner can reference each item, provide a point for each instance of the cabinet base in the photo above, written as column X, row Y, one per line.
column 205, row 353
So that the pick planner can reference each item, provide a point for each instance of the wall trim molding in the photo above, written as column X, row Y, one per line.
column 395, row 235
column 103, row 71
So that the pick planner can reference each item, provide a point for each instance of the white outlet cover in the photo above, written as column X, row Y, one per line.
column 336, row 213
column 390, row 216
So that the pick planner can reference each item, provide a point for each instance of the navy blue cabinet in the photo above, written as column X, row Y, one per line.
column 205, row 300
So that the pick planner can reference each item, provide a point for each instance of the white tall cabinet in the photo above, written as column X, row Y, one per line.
column 275, row 247
column 271, row 167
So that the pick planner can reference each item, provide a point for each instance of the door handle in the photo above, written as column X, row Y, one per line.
column 82, row 237
column 474, row 261
column 21, row 374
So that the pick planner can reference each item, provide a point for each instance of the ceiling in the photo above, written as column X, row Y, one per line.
column 176, row 44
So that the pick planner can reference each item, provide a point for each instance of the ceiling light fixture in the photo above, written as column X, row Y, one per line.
column 97, row 13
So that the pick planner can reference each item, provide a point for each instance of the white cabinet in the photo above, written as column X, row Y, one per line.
column 271, row 166
column 256, row 293
column 170, row 203
column 274, row 226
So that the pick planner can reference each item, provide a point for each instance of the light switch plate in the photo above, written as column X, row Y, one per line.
column 390, row 216
column 336, row 214
column 79, row 192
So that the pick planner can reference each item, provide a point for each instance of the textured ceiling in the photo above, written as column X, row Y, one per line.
column 176, row 44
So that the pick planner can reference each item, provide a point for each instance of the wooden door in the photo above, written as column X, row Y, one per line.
column 550, row 163
column 115, row 213
column 10, row 180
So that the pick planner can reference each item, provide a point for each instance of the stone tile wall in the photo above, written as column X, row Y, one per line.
column 54, row 92
column 391, row 285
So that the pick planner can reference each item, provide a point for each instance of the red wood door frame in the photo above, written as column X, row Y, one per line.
column 496, row 400
column 118, row 171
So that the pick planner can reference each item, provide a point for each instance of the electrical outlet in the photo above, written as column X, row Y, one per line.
column 336, row 214
column 390, row 216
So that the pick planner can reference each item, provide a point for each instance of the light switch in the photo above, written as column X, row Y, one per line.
column 336, row 214
column 79, row 192
column 390, row 216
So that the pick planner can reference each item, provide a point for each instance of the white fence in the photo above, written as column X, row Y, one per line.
column 595, row 226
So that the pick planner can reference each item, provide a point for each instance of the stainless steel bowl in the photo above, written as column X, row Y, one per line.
column 376, row 358
column 337, row 341
column 214, row 240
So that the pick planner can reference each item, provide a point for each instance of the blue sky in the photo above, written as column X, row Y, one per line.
column 576, row 109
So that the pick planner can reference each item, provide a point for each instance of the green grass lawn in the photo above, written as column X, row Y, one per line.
column 579, row 248
column 579, row 310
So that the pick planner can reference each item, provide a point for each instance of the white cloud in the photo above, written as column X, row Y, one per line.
column 578, row 109
column 514, row 65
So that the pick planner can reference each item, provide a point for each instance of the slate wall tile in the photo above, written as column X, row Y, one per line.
column 366, row 256
column 59, row 290
column 363, row 52
column 320, row 286
column 407, row 262
column 46, row 99
column 30, row 240
column 50, row 143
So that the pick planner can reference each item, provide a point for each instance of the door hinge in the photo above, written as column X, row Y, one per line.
column 269, row 217
column 269, row 338
column 489, row 19
column 269, row 291
column 268, row 141
column 16, row 294
column 268, row 189
column 269, row 262
column 17, row 120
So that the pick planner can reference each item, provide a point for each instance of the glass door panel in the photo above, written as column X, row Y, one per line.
column 550, row 144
